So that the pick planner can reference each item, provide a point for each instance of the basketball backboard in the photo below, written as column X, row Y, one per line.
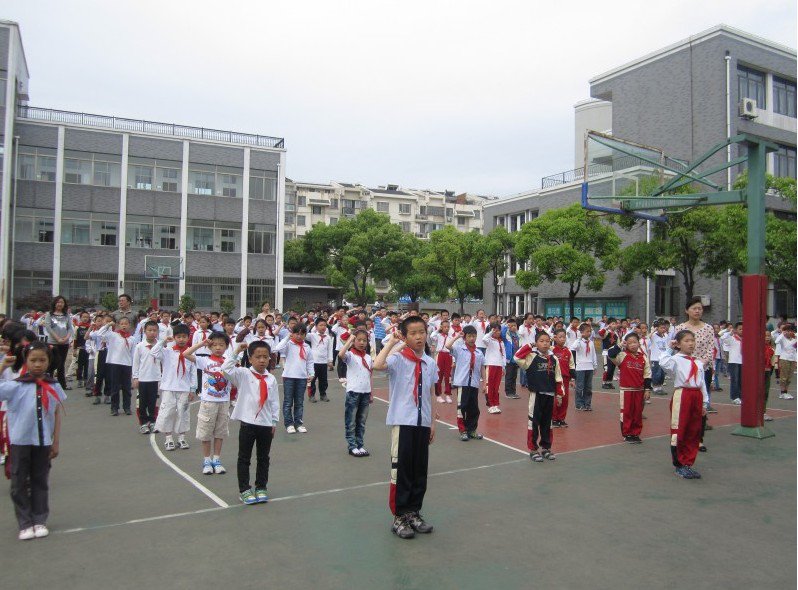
column 165, row 268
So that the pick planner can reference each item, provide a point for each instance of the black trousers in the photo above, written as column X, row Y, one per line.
column 59, row 352
column 510, row 377
column 248, row 436
column 320, row 375
column 148, row 394
column 30, row 469
column 82, row 371
column 118, row 377
column 468, row 406
column 540, row 422
column 99, row 371
column 409, row 463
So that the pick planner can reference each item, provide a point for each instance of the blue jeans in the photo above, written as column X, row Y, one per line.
column 293, row 400
column 657, row 374
column 356, row 411
column 584, row 389
column 735, row 372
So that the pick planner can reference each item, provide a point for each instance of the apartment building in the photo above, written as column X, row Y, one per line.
column 417, row 211
column 684, row 98
column 85, row 198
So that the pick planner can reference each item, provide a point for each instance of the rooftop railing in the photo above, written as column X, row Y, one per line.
column 152, row 127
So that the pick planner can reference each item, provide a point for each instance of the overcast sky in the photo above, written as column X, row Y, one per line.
column 460, row 95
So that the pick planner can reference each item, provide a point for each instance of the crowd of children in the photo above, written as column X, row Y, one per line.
column 230, row 364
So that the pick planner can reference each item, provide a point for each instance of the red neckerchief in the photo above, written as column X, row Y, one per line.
column 264, row 390
column 218, row 359
column 587, row 345
column 43, row 388
column 362, row 355
column 738, row 339
column 693, row 369
column 472, row 349
column 125, row 336
column 482, row 323
column 83, row 325
column 181, row 360
column 301, row 346
column 204, row 332
column 501, row 344
column 321, row 337
column 413, row 358
column 456, row 328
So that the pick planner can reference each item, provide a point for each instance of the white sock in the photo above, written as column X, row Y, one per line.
column 169, row 438
column 181, row 437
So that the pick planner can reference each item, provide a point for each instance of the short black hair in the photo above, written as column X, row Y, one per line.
column 150, row 323
column 738, row 324
column 469, row 330
column 38, row 345
column 691, row 302
column 181, row 329
column 682, row 333
column 455, row 316
column 255, row 345
column 229, row 321
column 559, row 331
column 126, row 296
column 219, row 336
column 541, row 334
column 407, row 322
column 632, row 335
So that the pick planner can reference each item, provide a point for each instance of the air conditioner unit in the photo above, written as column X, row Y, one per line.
column 748, row 108
column 706, row 301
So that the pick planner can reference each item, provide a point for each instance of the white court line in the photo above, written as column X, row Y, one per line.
column 216, row 499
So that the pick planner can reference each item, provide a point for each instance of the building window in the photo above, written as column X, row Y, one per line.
column 26, row 168
column 461, row 221
column 107, row 234
column 138, row 235
column 383, row 206
column 167, row 179
column 666, row 296
column 316, row 210
column 290, row 219
column 300, row 220
column 229, row 240
column 142, row 177
column 262, row 185
column 333, row 220
column 75, row 231
column 231, row 185
column 783, row 96
column 167, row 294
column 334, row 203
column 202, row 183
column 476, row 214
column 405, row 225
column 166, row 236
column 784, row 162
column 200, row 239
column 404, row 208
column 300, row 200
column 751, row 84
column 498, row 221
column 77, row 171
column 261, row 239
column 202, row 295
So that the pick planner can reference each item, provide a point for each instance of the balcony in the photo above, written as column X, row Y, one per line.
column 150, row 127
column 348, row 211
column 317, row 199
column 422, row 217
column 578, row 174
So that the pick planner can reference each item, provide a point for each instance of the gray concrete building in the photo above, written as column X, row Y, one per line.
column 85, row 198
column 684, row 98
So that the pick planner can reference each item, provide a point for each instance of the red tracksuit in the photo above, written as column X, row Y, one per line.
column 566, row 361
column 444, row 362
column 689, row 395
column 635, row 377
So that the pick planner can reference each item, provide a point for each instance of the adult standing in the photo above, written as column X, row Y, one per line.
column 704, row 339
column 59, row 330
column 265, row 310
column 125, row 311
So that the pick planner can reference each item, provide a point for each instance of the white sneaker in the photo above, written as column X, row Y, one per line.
column 768, row 418
column 497, row 410
column 781, row 395
column 182, row 444
column 144, row 429
column 441, row 399
column 448, row 399
column 788, row 396
column 207, row 467
column 301, row 428
column 169, row 445
column 737, row 402
column 2, row 459
column 26, row 534
column 39, row 531
column 291, row 429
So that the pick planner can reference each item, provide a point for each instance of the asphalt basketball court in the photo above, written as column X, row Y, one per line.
column 605, row 514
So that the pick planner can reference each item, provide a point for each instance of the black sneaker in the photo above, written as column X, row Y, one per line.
column 702, row 448
column 417, row 523
column 312, row 399
column 629, row 439
column 555, row 423
column 513, row 396
column 127, row 412
column 401, row 528
column 563, row 424
column 694, row 473
column 97, row 401
column 638, row 440
column 324, row 398
column 711, row 410
column 114, row 412
column 547, row 454
column 587, row 409
column 536, row 457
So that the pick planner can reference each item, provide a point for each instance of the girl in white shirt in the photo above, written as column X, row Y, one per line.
column 359, row 366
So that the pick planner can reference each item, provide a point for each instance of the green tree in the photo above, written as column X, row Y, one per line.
column 457, row 259
column 301, row 255
column 187, row 304
column 498, row 245
column 110, row 301
column 409, row 280
column 569, row 246
column 226, row 305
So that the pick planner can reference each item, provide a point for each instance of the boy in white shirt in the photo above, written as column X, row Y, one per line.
column 118, row 362
column 443, row 358
column 480, row 322
column 321, row 346
column 178, row 377
column 469, row 378
column 584, row 351
column 146, row 376
column 495, row 361
column 733, row 340
column 358, row 395
column 297, row 374
column 200, row 335
column 786, row 355
column 258, row 410
column 660, row 342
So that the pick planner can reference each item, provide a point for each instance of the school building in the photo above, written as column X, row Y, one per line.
column 684, row 98
column 86, row 197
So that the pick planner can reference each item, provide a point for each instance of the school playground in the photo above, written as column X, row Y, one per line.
column 604, row 514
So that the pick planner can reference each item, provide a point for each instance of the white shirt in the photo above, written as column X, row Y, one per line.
column 215, row 386
column 438, row 341
column 120, row 350
column 295, row 367
column 526, row 335
column 358, row 377
column 482, row 326
column 175, row 376
column 571, row 336
column 248, row 401
column 199, row 336
column 584, row 354
column 402, row 408
column 494, row 351
column 679, row 366
column 145, row 367
column 786, row 348
column 321, row 346
column 734, row 344
column 659, row 345
column 464, row 376
column 255, row 337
